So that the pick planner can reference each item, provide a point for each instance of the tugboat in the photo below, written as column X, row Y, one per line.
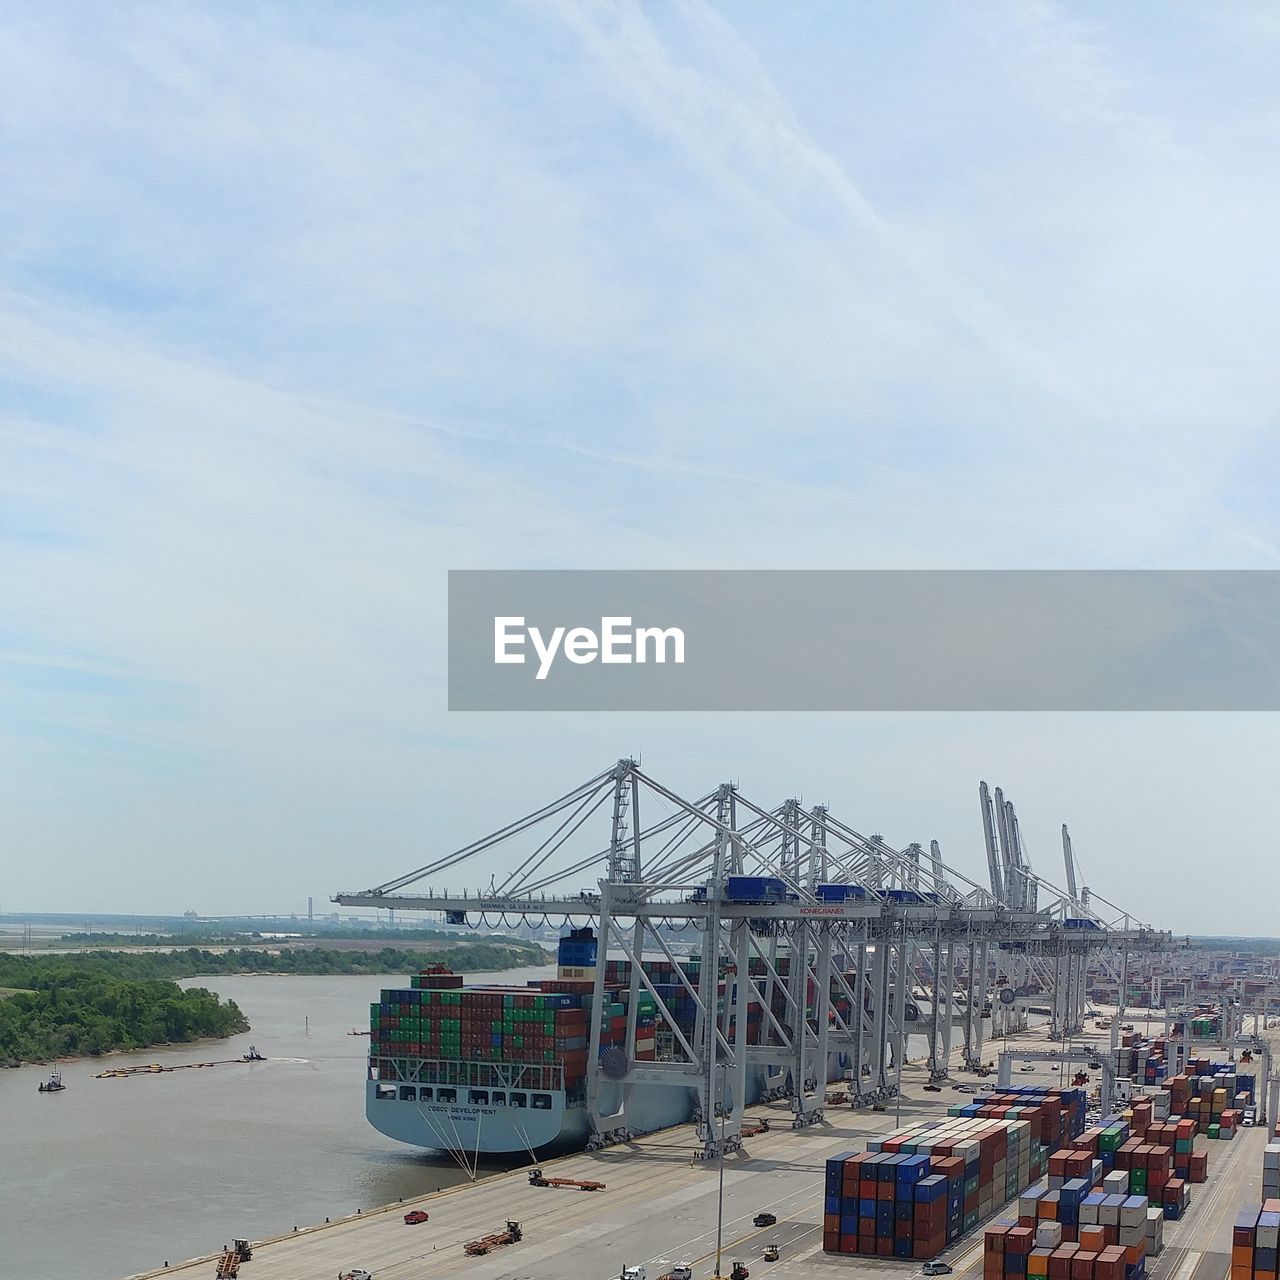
column 253, row 1055
column 53, row 1084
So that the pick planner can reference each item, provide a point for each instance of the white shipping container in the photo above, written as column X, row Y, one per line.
column 1134, row 1209
column 1048, row 1235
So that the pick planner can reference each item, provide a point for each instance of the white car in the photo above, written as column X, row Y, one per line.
column 633, row 1273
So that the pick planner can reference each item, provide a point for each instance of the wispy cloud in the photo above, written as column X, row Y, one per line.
column 299, row 311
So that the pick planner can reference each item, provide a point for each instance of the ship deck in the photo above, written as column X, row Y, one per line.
column 660, row 1206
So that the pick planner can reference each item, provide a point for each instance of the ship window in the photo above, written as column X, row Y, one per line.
column 408, row 1093
column 498, row 1099
column 479, row 1097
column 446, row 1095
column 542, row 1102
column 424, row 1094
column 386, row 1092
column 519, row 1100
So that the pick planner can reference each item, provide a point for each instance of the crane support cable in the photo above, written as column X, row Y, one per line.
column 503, row 833
column 571, row 823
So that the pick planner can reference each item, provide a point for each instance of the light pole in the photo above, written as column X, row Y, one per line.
column 724, row 1071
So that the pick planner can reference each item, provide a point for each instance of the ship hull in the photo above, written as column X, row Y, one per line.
column 485, row 1122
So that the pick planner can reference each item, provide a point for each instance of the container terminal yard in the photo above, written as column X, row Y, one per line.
column 659, row 1209
column 735, row 963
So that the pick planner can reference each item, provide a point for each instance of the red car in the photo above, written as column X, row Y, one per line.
column 416, row 1216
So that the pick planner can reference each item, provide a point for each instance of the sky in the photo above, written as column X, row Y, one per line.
column 301, row 307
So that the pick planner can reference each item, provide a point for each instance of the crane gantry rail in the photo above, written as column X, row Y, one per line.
column 831, row 961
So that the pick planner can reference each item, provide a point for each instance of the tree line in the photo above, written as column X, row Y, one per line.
column 213, row 935
column 74, row 1013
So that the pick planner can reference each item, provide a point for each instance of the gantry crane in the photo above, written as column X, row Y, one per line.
column 831, row 958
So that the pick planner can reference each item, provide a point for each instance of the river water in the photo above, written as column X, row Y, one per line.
column 112, row 1177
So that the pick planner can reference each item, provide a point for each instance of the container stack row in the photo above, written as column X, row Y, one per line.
column 1271, row 1171
column 892, row 1206
column 1255, row 1242
column 546, row 1023
column 1107, row 1238
column 672, row 983
column 1055, row 1115
column 1207, row 1025
column 483, row 1024
column 1152, row 1154
column 923, row 1187
column 1141, row 1059
column 1203, row 1093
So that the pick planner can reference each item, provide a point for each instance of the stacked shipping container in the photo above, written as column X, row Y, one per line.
column 913, row 1193
column 1055, row 1115
column 1142, row 1060
column 1205, row 1093
column 1156, row 1160
column 672, row 983
column 545, row 1024
column 1255, row 1242
column 1071, row 1235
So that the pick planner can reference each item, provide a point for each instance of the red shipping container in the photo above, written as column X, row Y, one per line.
column 1082, row 1265
column 1020, row 1240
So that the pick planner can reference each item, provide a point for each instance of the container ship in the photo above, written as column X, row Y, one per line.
column 494, row 1070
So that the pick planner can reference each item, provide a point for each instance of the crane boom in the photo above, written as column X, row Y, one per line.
column 1012, row 882
column 989, row 835
column 1072, row 892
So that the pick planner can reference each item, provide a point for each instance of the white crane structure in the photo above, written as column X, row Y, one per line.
column 833, row 955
